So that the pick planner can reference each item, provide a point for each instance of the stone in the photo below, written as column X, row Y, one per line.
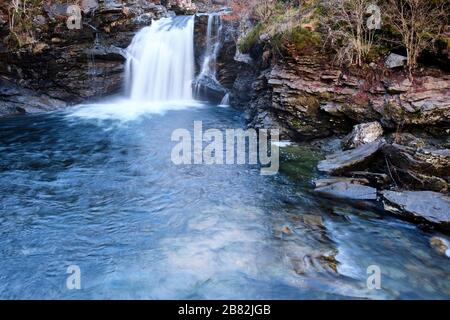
column 209, row 89
column 362, row 134
column 372, row 178
column 89, row 5
column 395, row 61
column 40, row 20
column 420, row 168
column 427, row 206
column 107, row 53
column 350, row 160
column 17, row 100
column 440, row 245
column 319, row 183
column 346, row 190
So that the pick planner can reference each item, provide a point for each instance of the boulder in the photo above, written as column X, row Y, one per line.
column 348, row 190
column 350, row 160
column 362, row 134
column 395, row 61
column 422, row 168
column 207, row 88
column 427, row 206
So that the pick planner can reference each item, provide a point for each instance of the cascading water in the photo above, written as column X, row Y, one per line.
column 207, row 85
column 212, row 46
column 160, row 63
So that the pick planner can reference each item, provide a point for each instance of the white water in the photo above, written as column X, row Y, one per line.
column 160, row 64
column 225, row 101
column 159, row 73
column 212, row 46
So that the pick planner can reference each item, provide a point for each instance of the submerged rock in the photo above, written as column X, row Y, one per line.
column 440, row 245
column 355, row 159
column 430, row 206
column 362, row 134
column 347, row 190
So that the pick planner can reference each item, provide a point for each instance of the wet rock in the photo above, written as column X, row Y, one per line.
column 107, row 53
column 395, row 61
column 209, row 89
column 17, row 100
column 362, row 134
column 332, row 180
column 375, row 179
column 440, row 245
column 286, row 231
column 354, row 159
column 313, row 220
column 429, row 206
column 423, row 168
column 346, row 190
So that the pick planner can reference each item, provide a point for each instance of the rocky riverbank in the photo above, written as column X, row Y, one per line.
column 385, row 132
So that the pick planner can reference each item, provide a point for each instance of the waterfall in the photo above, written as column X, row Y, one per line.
column 160, row 63
column 212, row 46
column 225, row 101
column 207, row 86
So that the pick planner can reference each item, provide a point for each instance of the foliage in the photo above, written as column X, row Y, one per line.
column 418, row 22
column 414, row 26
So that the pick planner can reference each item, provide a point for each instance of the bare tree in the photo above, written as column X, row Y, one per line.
column 348, row 30
column 419, row 23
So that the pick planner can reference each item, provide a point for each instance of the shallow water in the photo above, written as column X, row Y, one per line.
column 102, row 193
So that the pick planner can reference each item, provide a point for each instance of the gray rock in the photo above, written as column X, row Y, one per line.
column 89, row 5
column 362, row 134
column 346, row 190
column 423, row 168
column 395, row 61
column 107, row 53
column 350, row 160
column 319, row 183
column 17, row 100
column 431, row 206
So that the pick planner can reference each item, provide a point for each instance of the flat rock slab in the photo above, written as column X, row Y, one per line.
column 345, row 161
column 346, row 190
column 431, row 206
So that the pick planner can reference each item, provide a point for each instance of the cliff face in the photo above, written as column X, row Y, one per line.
column 309, row 98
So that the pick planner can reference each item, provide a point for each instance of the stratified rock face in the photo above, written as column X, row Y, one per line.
column 312, row 99
column 362, row 134
column 356, row 159
column 17, row 100
column 426, row 205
